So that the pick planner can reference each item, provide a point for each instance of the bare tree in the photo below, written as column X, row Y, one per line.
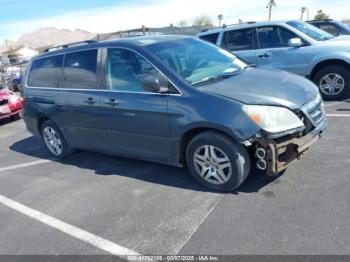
column 220, row 17
column 183, row 23
column 203, row 20
column 269, row 6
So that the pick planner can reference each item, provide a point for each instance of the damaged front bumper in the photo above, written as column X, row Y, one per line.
column 275, row 155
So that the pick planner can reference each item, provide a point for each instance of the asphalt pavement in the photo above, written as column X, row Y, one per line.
column 98, row 204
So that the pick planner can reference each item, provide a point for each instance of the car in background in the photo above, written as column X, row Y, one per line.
column 11, row 104
column 331, row 26
column 292, row 46
column 175, row 100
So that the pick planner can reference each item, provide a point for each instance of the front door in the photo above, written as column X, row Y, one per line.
column 273, row 50
column 136, row 119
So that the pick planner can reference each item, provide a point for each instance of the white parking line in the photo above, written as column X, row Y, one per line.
column 24, row 165
column 73, row 231
column 339, row 115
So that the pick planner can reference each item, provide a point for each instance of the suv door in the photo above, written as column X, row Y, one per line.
column 241, row 42
column 78, row 100
column 136, row 119
column 274, row 51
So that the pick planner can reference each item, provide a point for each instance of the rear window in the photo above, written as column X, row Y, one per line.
column 46, row 72
column 80, row 70
column 212, row 38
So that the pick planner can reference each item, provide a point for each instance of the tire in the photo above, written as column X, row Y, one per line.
column 61, row 149
column 342, row 85
column 224, row 148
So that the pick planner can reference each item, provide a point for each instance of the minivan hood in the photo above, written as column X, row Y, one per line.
column 340, row 38
column 260, row 86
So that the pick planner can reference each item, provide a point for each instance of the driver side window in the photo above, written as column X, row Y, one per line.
column 126, row 71
column 274, row 37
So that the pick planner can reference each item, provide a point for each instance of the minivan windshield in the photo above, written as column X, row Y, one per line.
column 310, row 30
column 197, row 61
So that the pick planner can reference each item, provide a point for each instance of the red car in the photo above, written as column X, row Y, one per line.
column 11, row 104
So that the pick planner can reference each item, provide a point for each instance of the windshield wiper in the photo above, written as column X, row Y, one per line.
column 217, row 77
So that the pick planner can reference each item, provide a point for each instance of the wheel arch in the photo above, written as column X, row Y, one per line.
column 328, row 62
column 189, row 134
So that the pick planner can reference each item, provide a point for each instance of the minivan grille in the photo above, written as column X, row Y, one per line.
column 314, row 110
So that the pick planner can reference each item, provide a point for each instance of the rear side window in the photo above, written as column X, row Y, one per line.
column 212, row 38
column 238, row 40
column 46, row 72
column 80, row 70
column 330, row 29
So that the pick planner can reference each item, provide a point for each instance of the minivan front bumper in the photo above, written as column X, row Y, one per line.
column 278, row 154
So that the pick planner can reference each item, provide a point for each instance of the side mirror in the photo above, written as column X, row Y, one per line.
column 295, row 42
column 155, row 83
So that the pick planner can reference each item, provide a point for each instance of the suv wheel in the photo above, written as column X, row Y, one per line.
column 54, row 140
column 217, row 162
column 333, row 81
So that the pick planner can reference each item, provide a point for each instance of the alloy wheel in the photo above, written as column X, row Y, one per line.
column 332, row 84
column 212, row 164
column 52, row 140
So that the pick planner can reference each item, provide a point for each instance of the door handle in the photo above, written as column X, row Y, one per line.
column 111, row 102
column 90, row 101
column 266, row 55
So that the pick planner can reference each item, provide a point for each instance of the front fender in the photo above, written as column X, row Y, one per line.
column 329, row 55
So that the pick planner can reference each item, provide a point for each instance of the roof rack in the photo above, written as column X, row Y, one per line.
column 224, row 25
column 53, row 48
column 321, row 20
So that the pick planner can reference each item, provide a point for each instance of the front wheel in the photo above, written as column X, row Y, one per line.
column 54, row 140
column 333, row 82
column 217, row 162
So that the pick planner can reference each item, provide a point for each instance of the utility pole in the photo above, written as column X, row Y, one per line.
column 269, row 6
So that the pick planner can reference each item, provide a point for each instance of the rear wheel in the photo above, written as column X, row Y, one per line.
column 54, row 140
column 217, row 162
column 333, row 82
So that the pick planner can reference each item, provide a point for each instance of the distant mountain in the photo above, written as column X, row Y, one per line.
column 50, row 36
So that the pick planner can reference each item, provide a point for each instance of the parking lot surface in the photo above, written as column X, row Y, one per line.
column 156, row 209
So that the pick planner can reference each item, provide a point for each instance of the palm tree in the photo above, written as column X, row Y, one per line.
column 303, row 10
column 270, row 4
column 220, row 17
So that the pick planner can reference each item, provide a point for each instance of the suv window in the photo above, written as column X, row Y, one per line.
column 46, row 72
column 212, row 38
column 274, row 36
column 332, row 29
column 126, row 69
column 238, row 40
column 80, row 70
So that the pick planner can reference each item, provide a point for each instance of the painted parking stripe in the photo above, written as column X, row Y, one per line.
column 73, row 231
column 38, row 162
column 339, row 115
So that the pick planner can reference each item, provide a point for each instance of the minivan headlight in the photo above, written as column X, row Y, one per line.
column 273, row 119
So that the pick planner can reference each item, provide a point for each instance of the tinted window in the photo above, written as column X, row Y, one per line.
column 238, row 40
column 274, row 37
column 330, row 29
column 125, row 71
column 310, row 30
column 46, row 72
column 80, row 70
column 212, row 38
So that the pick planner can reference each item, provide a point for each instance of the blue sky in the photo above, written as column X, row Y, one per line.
column 21, row 16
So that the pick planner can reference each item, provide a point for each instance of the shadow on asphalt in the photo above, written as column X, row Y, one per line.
column 106, row 165
column 8, row 120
